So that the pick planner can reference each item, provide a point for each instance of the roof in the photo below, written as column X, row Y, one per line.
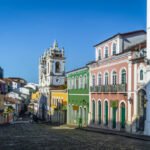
column 2, row 81
column 17, row 79
column 76, row 69
column 122, row 35
column 135, row 47
column 91, row 62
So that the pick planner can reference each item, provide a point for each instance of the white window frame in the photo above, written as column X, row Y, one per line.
column 104, row 77
column 105, row 51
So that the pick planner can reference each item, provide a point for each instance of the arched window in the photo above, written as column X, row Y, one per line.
column 81, row 82
column 99, row 54
column 57, row 67
column 141, row 75
column 123, row 76
column 93, row 80
column 114, row 78
column 99, row 112
column 106, row 78
column 99, row 79
column 106, row 52
column 73, row 83
column 93, row 111
column 77, row 83
column 122, row 115
column 85, row 81
column 106, row 113
column 114, row 48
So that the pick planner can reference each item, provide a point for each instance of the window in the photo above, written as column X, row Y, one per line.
column 141, row 75
column 106, row 52
column 57, row 67
column 99, row 54
column 106, row 78
column 77, row 83
column 99, row 112
column 123, row 76
column 85, row 81
column 93, row 80
column 72, row 83
column 81, row 82
column 99, row 79
column 93, row 111
column 106, row 113
column 114, row 78
column 114, row 48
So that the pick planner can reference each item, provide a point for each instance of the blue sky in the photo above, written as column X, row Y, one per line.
column 28, row 27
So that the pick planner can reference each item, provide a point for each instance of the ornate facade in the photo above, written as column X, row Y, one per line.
column 52, row 67
column 51, row 76
column 117, row 83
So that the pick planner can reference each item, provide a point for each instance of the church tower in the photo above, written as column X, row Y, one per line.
column 52, row 67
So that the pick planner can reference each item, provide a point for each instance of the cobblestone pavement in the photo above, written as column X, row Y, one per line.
column 44, row 137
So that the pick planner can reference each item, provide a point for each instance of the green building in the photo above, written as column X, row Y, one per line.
column 78, row 96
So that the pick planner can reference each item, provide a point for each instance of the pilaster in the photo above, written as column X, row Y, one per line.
column 129, row 122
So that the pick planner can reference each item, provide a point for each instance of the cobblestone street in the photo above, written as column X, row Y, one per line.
column 29, row 136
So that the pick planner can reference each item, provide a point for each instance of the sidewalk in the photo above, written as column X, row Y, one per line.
column 119, row 133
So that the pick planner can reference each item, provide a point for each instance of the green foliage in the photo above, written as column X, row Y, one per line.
column 114, row 103
column 8, row 110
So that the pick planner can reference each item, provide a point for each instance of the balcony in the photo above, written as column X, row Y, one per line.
column 109, row 88
column 94, row 88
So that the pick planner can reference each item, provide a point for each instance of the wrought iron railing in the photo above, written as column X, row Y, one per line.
column 109, row 88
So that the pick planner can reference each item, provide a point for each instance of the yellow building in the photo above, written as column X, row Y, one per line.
column 1, row 102
column 35, row 96
column 33, row 106
column 58, row 105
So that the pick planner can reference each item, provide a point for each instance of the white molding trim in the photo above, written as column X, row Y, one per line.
column 135, row 89
column 79, row 94
column 109, row 65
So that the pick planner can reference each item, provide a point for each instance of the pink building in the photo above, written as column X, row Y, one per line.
column 117, row 83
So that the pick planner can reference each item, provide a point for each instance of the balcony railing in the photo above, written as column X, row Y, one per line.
column 109, row 88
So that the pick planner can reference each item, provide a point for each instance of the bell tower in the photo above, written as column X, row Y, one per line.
column 52, row 67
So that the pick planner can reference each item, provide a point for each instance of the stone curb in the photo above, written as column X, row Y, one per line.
column 133, row 136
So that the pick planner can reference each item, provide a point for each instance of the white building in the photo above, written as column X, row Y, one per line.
column 51, row 76
column 52, row 68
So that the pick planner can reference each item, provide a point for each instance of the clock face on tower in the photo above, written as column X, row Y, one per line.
column 58, row 80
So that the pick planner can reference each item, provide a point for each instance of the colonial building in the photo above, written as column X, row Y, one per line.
column 117, row 83
column 34, row 102
column 78, row 96
column 51, row 75
column 58, row 105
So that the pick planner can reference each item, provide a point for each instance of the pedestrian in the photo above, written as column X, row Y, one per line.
column 80, row 122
